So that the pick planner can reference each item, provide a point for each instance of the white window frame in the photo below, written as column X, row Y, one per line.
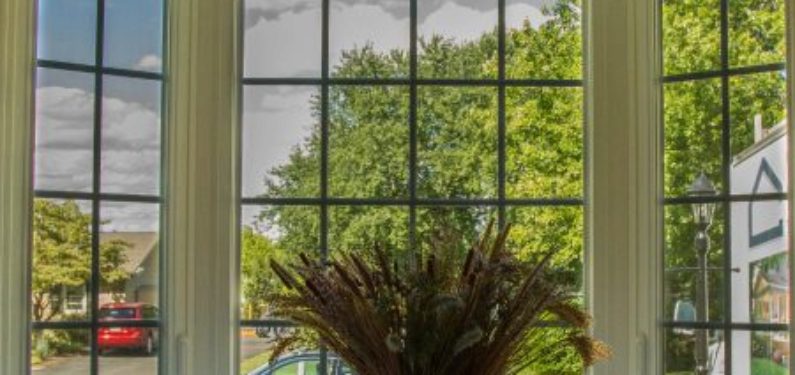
column 201, row 214
column 16, row 188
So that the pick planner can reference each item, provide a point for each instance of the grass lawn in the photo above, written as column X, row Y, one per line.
column 262, row 358
column 760, row 366
column 254, row 362
column 36, row 359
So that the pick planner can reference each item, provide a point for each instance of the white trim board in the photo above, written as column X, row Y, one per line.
column 16, row 140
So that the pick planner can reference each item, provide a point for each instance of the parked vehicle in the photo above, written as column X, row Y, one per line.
column 136, row 338
column 303, row 363
column 274, row 333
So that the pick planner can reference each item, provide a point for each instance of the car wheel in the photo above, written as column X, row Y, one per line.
column 150, row 345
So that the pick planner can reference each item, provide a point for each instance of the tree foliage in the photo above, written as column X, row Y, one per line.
column 257, row 281
column 62, row 256
column 457, row 145
column 457, row 138
column 694, row 127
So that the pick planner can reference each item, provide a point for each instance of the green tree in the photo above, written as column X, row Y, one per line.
column 693, row 115
column 457, row 126
column 457, row 139
column 457, row 152
column 258, row 280
column 62, row 256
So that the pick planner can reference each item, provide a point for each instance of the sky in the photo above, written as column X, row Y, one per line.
column 281, row 39
column 276, row 119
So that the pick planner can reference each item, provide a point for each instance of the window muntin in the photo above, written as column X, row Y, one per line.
column 365, row 124
column 97, row 184
column 724, row 94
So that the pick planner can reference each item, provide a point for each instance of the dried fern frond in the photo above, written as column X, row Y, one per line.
column 436, row 316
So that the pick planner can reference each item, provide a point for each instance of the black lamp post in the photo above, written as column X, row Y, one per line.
column 703, row 212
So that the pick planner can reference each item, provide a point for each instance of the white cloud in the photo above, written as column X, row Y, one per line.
column 150, row 63
column 275, row 120
column 283, row 38
column 357, row 25
column 273, row 9
column 64, row 143
column 64, row 133
column 466, row 23
column 516, row 13
column 287, row 47
column 130, row 217
column 284, row 41
column 460, row 22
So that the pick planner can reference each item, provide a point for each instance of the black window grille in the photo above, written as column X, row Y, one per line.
column 412, row 200
column 723, row 66
column 80, row 51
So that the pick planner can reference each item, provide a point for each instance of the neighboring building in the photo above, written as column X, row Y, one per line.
column 142, row 264
column 759, row 249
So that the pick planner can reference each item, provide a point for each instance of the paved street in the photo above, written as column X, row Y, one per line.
column 124, row 363
column 111, row 364
column 250, row 347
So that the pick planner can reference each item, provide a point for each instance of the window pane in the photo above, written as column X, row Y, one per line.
column 451, row 229
column 682, row 270
column 369, row 142
column 64, row 130
column 760, row 243
column 457, row 40
column 61, row 264
column 760, row 352
column 359, row 229
column 757, row 31
column 748, row 256
column 369, row 38
column 129, row 255
column 359, row 172
column 67, row 30
column 131, row 136
column 693, row 129
column 278, row 233
column 690, row 36
column 281, row 141
column 60, row 352
column 282, row 38
column 130, row 217
column 538, row 231
column 134, row 34
column 565, row 361
column 757, row 98
column 257, row 344
column 544, row 143
column 73, row 238
column 128, row 350
column 544, row 39
column 680, row 351
column 457, row 148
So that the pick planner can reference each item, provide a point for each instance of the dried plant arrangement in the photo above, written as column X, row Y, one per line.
column 433, row 315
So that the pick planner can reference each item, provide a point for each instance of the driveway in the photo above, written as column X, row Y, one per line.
column 110, row 364
column 252, row 346
column 127, row 363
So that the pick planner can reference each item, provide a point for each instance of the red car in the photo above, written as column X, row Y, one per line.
column 139, row 338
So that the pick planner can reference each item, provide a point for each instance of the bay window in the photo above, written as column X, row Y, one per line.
column 156, row 155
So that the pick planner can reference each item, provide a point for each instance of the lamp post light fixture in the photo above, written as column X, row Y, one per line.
column 703, row 213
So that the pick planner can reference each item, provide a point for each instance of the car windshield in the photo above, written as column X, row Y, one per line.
column 117, row 313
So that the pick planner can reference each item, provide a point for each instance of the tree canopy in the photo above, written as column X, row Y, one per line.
column 457, row 138
column 62, row 255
